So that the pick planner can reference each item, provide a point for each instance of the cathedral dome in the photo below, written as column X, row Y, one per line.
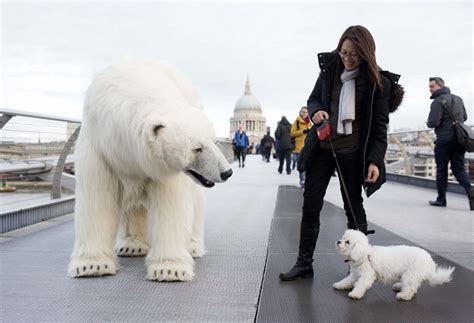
column 248, row 115
column 247, row 103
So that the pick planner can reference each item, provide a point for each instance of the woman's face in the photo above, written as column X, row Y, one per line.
column 349, row 56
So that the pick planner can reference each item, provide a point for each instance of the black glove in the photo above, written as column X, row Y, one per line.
column 305, row 131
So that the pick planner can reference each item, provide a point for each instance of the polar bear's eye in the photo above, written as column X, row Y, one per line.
column 198, row 150
column 347, row 242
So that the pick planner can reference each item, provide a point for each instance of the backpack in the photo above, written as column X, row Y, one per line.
column 463, row 133
column 293, row 139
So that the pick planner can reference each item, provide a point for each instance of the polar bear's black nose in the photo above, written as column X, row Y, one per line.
column 226, row 175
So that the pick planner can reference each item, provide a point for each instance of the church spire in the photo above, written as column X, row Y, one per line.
column 247, row 86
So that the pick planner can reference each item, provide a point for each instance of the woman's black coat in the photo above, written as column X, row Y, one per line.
column 374, row 119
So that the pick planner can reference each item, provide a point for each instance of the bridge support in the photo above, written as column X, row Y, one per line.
column 58, row 171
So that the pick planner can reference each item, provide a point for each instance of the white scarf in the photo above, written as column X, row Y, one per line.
column 347, row 102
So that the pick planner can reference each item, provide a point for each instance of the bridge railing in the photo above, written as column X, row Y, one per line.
column 410, row 159
column 31, row 144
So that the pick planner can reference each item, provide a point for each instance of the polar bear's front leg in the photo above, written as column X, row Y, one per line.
column 196, row 247
column 96, row 218
column 132, row 238
column 170, row 211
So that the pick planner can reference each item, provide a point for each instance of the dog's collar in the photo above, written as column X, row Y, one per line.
column 368, row 257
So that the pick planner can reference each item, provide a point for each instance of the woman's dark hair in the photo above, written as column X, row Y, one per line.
column 365, row 47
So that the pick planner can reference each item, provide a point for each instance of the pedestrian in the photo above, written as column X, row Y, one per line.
column 283, row 135
column 299, row 130
column 352, row 93
column 241, row 145
column 447, row 149
column 267, row 144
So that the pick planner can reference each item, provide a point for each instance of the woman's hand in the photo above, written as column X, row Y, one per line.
column 319, row 116
column 373, row 173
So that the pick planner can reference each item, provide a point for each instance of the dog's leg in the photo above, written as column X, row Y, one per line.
column 346, row 283
column 365, row 281
column 410, row 284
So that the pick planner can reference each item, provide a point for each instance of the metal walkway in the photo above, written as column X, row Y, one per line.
column 228, row 282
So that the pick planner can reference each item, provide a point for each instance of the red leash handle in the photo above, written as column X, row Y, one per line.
column 324, row 130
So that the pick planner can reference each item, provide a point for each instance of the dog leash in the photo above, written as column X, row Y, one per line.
column 339, row 172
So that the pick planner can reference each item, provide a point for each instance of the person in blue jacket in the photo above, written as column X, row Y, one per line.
column 241, row 144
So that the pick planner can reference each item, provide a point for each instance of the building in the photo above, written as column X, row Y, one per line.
column 248, row 114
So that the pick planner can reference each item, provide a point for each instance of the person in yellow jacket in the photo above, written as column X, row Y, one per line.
column 299, row 129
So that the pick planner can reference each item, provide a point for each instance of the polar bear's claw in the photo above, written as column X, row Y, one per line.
column 397, row 287
column 170, row 271
column 197, row 249
column 91, row 268
column 131, row 247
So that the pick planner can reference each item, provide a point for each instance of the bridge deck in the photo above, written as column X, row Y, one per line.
column 228, row 283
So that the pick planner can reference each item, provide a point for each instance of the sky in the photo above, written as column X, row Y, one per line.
column 50, row 51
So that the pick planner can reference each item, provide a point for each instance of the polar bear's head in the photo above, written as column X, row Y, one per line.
column 186, row 142
column 151, row 124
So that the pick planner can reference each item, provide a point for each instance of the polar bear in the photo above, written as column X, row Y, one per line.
column 144, row 152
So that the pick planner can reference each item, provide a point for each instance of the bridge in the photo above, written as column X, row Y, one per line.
column 251, row 235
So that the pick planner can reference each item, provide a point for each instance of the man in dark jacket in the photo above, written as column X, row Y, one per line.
column 447, row 149
column 285, row 147
column 267, row 144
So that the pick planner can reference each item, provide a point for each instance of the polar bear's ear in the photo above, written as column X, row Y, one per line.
column 156, row 128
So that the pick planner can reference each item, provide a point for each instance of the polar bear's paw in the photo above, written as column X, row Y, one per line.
column 196, row 248
column 131, row 247
column 170, row 270
column 91, row 267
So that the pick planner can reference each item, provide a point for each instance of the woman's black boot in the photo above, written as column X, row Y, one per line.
column 302, row 269
column 304, row 265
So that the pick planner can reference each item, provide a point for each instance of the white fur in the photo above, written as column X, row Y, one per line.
column 143, row 130
column 405, row 266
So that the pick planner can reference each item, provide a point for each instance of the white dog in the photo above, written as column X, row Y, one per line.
column 405, row 266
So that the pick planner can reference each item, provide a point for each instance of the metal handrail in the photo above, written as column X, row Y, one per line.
column 17, row 113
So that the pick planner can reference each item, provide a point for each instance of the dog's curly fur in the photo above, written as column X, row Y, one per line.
column 405, row 266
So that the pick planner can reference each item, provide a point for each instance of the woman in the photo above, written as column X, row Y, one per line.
column 353, row 94
column 299, row 130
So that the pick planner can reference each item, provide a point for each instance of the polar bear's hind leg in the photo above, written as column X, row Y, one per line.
column 132, row 237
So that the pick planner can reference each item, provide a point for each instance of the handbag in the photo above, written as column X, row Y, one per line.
column 464, row 134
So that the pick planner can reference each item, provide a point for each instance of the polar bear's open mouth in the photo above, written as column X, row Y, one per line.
column 204, row 181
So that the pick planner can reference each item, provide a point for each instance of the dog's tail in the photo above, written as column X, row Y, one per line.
column 441, row 275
